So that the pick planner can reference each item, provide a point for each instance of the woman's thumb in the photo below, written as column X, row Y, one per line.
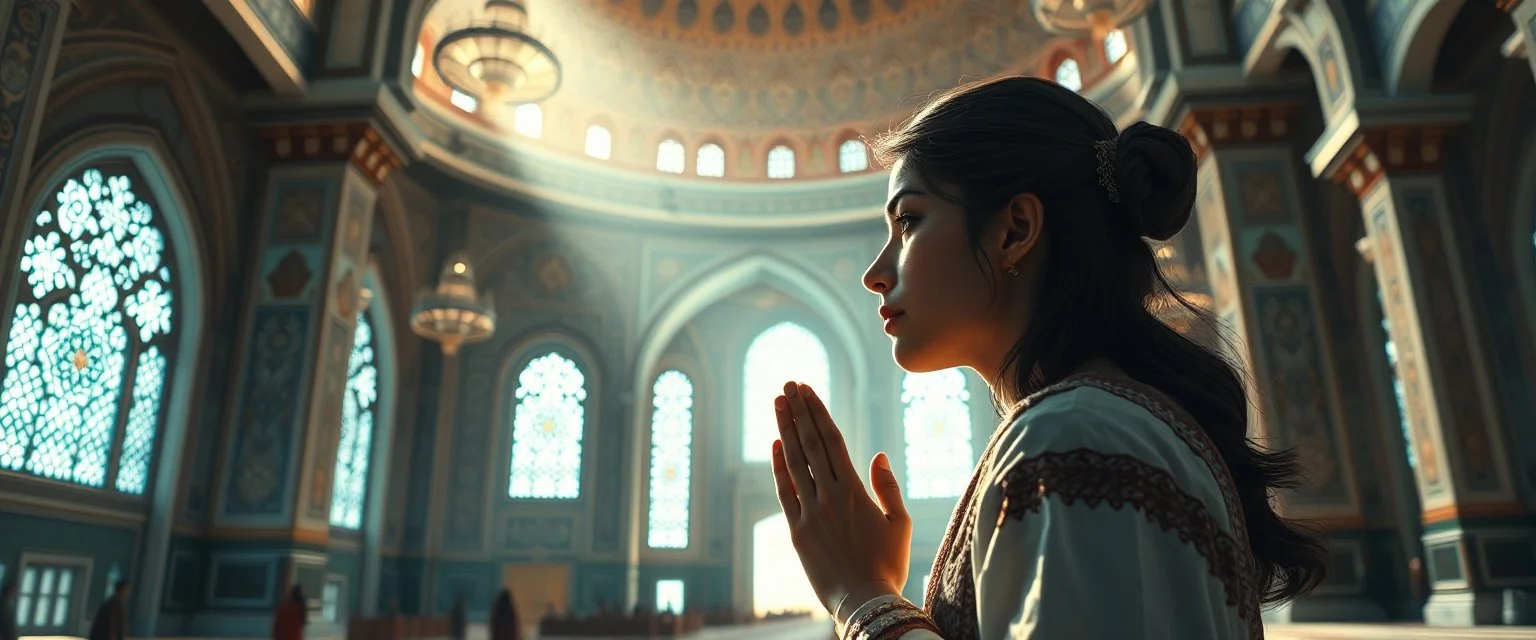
column 887, row 490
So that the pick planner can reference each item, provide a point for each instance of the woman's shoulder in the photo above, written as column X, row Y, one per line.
column 1111, row 423
column 1098, row 413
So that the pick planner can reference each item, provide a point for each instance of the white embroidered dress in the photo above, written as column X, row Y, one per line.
column 1100, row 511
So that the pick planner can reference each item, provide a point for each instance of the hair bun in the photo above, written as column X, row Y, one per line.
column 1155, row 173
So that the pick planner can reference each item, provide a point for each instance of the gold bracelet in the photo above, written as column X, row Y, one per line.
column 857, row 628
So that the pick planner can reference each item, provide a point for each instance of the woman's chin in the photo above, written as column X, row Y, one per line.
column 912, row 356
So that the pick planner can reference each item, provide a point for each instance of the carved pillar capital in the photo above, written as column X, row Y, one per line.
column 1396, row 149
column 1210, row 127
column 359, row 142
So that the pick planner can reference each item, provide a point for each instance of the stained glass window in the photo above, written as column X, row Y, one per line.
column 599, row 142
column 670, row 156
column 546, row 429
column 1398, row 393
column 528, row 120
column 350, row 486
column 784, row 352
column 671, row 460
column 937, row 422
column 781, row 163
column 1115, row 46
column 92, row 322
column 711, row 161
column 1068, row 75
column 852, row 156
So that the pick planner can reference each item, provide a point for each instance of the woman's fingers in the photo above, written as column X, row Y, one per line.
column 837, row 448
column 783, row 485
column 794, row 452
column 810, row 436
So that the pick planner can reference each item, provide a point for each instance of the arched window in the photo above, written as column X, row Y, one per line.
column 1115, row 46
column 92, row 322
column 547, row 426
column 1068, row 75
column 528, row 120
column 1398, row 393
column 711, row 161
column 670, row 156
column 671, row 460
column 784, row 352
column 852, row 156
column 937, row 423
column 599, row 142
column 350, row 486
column 463, row 101
column 781, row 163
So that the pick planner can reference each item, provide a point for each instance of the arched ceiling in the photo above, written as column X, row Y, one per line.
column 751, row 74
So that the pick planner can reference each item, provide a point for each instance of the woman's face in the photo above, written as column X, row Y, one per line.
column 938, row 305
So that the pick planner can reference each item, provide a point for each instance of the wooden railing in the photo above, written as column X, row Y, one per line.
column 635, row 626
column 397, row 628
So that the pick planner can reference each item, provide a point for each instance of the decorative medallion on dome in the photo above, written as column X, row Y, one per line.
column 496, row 60
column 1086, row 17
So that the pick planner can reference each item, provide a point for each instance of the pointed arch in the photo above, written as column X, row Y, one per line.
column 712, row 283
column 1408, row 65
column 162, row 181
column 730, row 274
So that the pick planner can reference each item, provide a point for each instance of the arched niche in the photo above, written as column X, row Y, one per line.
column 163, row 183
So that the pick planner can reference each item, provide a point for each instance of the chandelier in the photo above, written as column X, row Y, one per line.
column 1086, row 17
column 453, row 314
column 494, row 59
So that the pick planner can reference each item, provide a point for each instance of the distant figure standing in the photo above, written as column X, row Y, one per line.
column 111, row 621
column 8, row 612
column 458, row 625
column 504, row 625
column 292, row 615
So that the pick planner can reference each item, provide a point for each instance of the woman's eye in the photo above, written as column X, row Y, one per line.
column 904, row 222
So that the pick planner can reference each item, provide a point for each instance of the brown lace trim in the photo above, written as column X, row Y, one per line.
column 1120, row 480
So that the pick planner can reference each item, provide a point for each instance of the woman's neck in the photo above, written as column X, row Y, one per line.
column 1094, row 366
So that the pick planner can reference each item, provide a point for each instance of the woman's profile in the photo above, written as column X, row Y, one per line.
column 1120, row 496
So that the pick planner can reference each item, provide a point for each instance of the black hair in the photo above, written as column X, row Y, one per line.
column 980, row 145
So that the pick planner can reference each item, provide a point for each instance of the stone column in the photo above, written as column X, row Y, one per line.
column 30, row 33
column 1523, row 42
column 1475, row 542
column 272, row 521
column 1264, row 290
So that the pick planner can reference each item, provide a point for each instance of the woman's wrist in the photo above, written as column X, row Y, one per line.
column 859, row 596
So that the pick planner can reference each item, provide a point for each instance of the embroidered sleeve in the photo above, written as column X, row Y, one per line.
column 1084, row 534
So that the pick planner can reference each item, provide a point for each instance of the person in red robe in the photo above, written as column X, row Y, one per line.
column 111, row 622
column 291, row 616
column 504, row 624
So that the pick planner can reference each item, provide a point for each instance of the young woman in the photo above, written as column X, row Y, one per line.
column 1120, row 497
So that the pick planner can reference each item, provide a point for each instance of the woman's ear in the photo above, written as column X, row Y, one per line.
column 1023, row 225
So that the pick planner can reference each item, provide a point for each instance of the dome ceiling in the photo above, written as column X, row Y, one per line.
column 751, row 74
column 768, row 24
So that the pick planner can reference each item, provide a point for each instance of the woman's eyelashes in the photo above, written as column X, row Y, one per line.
column 903, row 221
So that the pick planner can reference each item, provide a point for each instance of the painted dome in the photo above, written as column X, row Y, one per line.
column 714, row 88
